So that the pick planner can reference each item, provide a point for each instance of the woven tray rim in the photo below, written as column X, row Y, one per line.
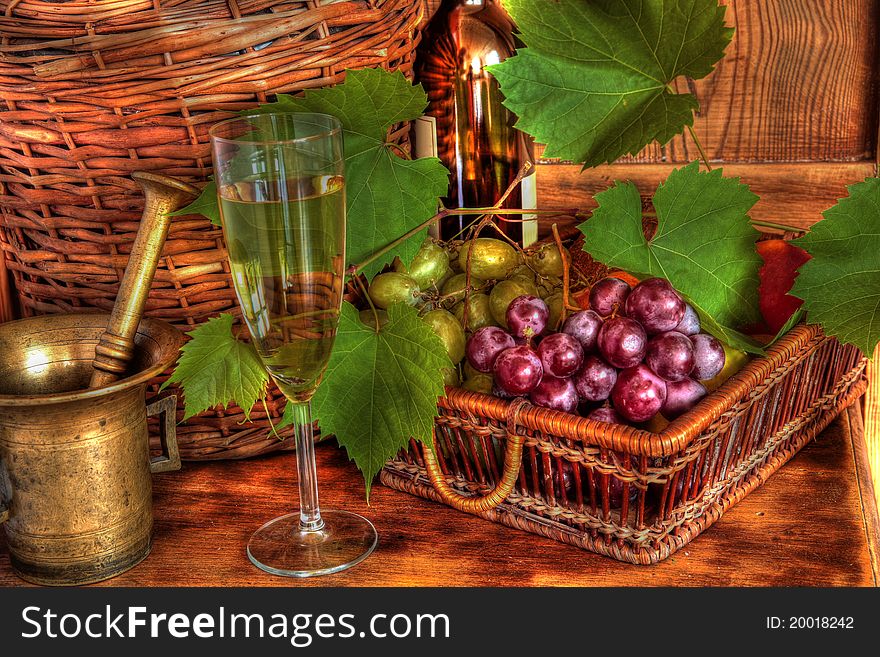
column 755, row 377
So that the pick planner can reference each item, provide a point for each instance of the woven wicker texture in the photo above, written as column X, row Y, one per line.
column 630, row 494
column 92, row 91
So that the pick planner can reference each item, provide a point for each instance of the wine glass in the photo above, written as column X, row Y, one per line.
column 281, row 186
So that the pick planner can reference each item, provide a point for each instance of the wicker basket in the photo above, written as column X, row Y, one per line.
column 96, row 90
column 626, row 493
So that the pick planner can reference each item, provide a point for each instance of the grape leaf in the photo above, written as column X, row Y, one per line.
column 840, row 284
column 387, row 195
column 216, row 368
column 704, row 245
column 205, row 204
column 593, row 82
column 381, row 389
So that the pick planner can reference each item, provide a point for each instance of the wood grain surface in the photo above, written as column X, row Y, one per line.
column 794, row 194
column 797, row 83
column 806, row 526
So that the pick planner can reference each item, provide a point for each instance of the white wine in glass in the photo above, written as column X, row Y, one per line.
column 281, row 187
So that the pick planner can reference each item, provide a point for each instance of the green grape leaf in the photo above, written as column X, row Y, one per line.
column 216, row 368
column 704, row 245
column 387, row 195
column 381, row 389
column 840, row 284
column 593, row 81
column 205, row 205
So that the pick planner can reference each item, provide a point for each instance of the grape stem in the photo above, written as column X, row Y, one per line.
column 565, row 276
column 369, row 301
column 398, row 149
column 699, row 144
column 783, row 227
column 269, row 418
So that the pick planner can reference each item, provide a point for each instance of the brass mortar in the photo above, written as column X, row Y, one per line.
column 75, row 488
column 74, row 463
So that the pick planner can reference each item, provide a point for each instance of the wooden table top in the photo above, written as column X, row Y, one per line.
column 814, row 523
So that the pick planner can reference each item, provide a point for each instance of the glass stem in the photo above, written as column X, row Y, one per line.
column 309, row 512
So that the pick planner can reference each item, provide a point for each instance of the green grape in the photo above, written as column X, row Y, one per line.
column 548, row 286
column 492, row 259
column 547, row 260
column 469, row 371
column 479, row 311
column 479, row 383
column 430, row 265
column 392, row 287
column 554, row 302
column 449, row 329
column 455, row 286
column 369, row 318
column 523, row 272
column 451, row 377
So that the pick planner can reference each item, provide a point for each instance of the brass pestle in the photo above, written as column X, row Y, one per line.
column 163, row 195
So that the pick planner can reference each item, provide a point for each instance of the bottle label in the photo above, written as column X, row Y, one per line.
column 529, row 192
column 424, row 137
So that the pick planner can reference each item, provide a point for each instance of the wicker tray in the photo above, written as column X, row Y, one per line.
column 92, row 91
column 626, row 493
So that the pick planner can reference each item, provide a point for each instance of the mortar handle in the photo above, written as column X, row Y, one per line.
column 5, row 497
column 163, row 195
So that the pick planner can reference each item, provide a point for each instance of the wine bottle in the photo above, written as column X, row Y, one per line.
column 475, row 133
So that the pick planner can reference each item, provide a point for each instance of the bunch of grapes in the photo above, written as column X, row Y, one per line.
column 636, row 352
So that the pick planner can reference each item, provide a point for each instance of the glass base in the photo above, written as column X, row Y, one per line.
column 280, row 547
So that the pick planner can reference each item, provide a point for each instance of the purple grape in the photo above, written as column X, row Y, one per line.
column 638, row 393
column 595, row 380
column 484, row 346
column 605, row 414
column 670, row 355
column 655, row 305
column 567, row 474
column 609, row 294
column 558, row 394
column 518, row 370
column 681, row 396
column 615, row 492
column 499, row 392
column 561, row 355
column 690, row 323
column 584, row 326
column 615, row 485
column 622, row 342
column 708, row 357
column 527, row 316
